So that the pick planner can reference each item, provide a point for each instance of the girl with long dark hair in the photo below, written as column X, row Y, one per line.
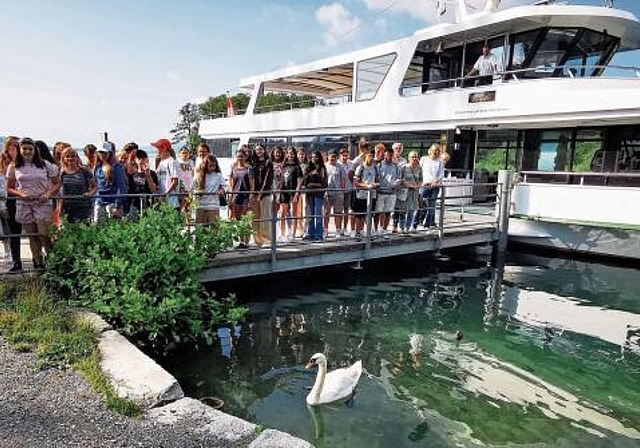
column 33, row 181
column 315, row 182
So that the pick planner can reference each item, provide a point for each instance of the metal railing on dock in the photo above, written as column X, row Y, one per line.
column 449, row 214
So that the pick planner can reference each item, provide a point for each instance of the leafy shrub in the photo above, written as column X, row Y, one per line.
column 142, row 275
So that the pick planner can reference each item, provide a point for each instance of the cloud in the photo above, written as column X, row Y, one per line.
column 340, row 24
column 175, row 78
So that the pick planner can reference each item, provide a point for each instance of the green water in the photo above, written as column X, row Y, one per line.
column 546, row 358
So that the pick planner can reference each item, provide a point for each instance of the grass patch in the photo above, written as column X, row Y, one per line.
column 31, row 320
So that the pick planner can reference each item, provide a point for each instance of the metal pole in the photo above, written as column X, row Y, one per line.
column 274, row 222
column 369, row 225
column 505, row 187
column 441, row 217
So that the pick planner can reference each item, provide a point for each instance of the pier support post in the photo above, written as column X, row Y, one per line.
column 369, row 225
column 503, row 208
column 274, row 231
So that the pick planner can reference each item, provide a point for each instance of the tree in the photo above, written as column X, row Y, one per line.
column 216, row 106
column 188, row 128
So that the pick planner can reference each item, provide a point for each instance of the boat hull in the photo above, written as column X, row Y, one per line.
column 576, row 237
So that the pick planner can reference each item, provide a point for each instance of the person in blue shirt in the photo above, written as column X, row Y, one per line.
column 110, row 179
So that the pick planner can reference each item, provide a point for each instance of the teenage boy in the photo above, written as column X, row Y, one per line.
column 365, row 180
column 334, row 199
column 347, row 203
column 390, row 178
column 168, row 172
column 143, row 181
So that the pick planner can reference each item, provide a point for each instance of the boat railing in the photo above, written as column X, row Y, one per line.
column 450, row 209
column 606, row 179
column 305, row 103
column 521, row 75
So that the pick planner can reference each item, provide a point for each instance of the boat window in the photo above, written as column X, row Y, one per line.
column 497, row 150
column 552, row 49
column 432, row 67
column 591, row 49
column 547, row 151
column 522, row 48
column 370, row 74
column 573, row 49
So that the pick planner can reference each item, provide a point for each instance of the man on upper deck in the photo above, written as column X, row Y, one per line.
column 486, row 66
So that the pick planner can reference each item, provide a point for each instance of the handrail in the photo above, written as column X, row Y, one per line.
column 550, row 70
column 632, row 175
column 416, row 216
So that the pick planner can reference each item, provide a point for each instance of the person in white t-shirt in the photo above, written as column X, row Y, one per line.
column 167, row 172
column 486, row 66
column 432, row 176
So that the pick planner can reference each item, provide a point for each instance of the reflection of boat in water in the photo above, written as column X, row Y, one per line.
column 542, row 309
column 504, row 382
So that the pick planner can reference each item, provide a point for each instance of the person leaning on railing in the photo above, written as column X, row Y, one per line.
column 486, row 66
column 33, row 181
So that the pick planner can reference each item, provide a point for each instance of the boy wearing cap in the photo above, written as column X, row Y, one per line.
column 347, row 203
column 167, row 172
column 334, row 199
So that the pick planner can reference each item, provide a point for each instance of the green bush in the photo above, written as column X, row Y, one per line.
column 142, row 275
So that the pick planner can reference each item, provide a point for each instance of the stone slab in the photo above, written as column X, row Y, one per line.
column 197, row 416
column 96, row 322
column 133, row 374
column 272, row 438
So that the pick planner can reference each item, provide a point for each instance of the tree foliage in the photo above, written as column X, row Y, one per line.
column 187, row 130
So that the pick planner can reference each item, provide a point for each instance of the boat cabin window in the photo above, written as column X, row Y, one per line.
column 370, row 74
column 600, row 156
column 432, row 67
column 560, row 52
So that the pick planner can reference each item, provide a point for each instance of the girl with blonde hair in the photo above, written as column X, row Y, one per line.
column 208, row 184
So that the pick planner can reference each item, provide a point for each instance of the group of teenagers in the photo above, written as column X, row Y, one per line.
column 307, row 191
column 39, row 186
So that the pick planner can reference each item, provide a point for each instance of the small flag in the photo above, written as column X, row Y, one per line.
column 230, row 110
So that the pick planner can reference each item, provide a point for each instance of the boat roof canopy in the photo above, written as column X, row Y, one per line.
column 334, row 76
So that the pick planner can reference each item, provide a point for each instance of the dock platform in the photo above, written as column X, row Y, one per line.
column 306, row 255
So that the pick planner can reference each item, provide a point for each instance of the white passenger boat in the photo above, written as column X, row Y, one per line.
column 558, row 111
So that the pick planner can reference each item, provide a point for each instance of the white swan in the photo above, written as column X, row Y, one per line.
column 332, row 386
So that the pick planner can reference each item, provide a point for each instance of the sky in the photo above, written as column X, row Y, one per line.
column 72, row 69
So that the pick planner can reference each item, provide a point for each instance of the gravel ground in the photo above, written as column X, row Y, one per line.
column 55, row 408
